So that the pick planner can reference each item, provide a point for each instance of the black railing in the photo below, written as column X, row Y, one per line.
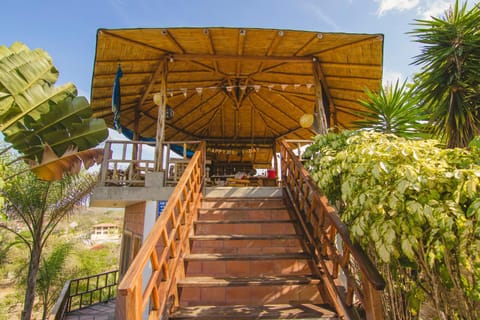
column 86, row 291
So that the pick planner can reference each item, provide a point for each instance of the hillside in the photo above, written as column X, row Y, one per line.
column 85, row 257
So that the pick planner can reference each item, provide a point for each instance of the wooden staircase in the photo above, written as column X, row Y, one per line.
column 211, row 258
column 248, row 260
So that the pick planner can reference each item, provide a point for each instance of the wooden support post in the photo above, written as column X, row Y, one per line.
column 162, row 103
column 372, row 301
column 319, row 105
column 275, row 162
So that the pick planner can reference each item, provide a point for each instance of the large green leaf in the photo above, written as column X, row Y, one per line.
column 60, row 128
column 84, row 135
column 26, row 82
column 34, row 113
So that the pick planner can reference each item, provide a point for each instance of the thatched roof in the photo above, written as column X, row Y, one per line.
column 234, row 86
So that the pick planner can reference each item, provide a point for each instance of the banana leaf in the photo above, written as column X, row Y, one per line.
column 37, row 116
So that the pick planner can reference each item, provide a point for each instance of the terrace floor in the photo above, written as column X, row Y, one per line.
column 99, row 311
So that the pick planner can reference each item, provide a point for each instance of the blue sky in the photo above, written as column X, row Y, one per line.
column 67, row 29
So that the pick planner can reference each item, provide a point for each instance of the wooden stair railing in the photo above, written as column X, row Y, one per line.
column 360, row 282
column 149, row 287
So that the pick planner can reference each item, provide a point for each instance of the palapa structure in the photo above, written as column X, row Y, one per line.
column 239, row 89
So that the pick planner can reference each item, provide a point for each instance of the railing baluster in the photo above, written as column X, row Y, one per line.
column 171, row 229
column 71, row 298
column 325, row 225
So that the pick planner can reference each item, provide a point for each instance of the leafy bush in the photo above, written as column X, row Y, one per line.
column 415, row 207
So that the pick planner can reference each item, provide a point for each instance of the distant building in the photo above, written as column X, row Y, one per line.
column 105, row 232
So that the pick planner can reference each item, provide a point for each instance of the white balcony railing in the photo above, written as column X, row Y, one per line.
column 126, row 163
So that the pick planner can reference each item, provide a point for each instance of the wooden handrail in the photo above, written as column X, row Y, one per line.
column 330, row 237
column 150, row 282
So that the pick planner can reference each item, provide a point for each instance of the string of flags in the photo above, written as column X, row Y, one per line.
column 243, row 87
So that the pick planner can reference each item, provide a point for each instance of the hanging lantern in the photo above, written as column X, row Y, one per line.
column 168, row 113
column 157, row 98
column 306, row 120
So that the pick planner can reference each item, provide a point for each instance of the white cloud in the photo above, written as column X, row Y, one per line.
column 390, row 77
column 400, row 5
column 425, row 9
column 433, row 8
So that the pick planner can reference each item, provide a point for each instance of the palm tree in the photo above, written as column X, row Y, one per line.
column 394, row 109
column 51, row 276
column 449, row 81
column 52, row 128
column 40, row 206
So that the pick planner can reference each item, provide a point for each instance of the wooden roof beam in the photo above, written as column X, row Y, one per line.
column 162, row 65
column 206, row 67
column 370, row 38
column 275, row 107
column 211, row 46
column 196, row 120
column 170, row 72
column 317, row 36
column 273, row 45
column 317, row 71
column 299, row 95
column 242, row 35
column 263, row 114
column 209, row 121
column 290, row 102
column 138, row 43
column 172, row 39
column 198, row 106
column 248, row 140
column 241, row 58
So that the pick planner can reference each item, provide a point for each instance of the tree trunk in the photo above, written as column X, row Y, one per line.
column 32, row 277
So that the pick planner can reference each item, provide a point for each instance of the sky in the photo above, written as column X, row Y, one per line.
column 67, row 29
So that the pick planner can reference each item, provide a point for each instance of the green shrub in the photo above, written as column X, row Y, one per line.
column 413, row 205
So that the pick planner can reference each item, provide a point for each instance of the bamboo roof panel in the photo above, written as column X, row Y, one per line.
column 234, row 84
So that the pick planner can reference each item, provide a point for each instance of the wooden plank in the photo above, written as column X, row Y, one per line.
column 246, row 237
column 205, row 281
column 278, row 311
column 243, row 221
column 233, row 257
column 225, row 57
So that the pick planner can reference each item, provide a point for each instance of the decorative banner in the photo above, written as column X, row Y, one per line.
column 243, row 87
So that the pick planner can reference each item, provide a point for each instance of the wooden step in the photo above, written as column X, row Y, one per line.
column 246, row 243
column 246, row 237
column 204, row 227
column 245, row 257
column 246, row 312
column 244, row 213
column 244, row 221
column 242, row 202
column 207, row 282
column 242, row 208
